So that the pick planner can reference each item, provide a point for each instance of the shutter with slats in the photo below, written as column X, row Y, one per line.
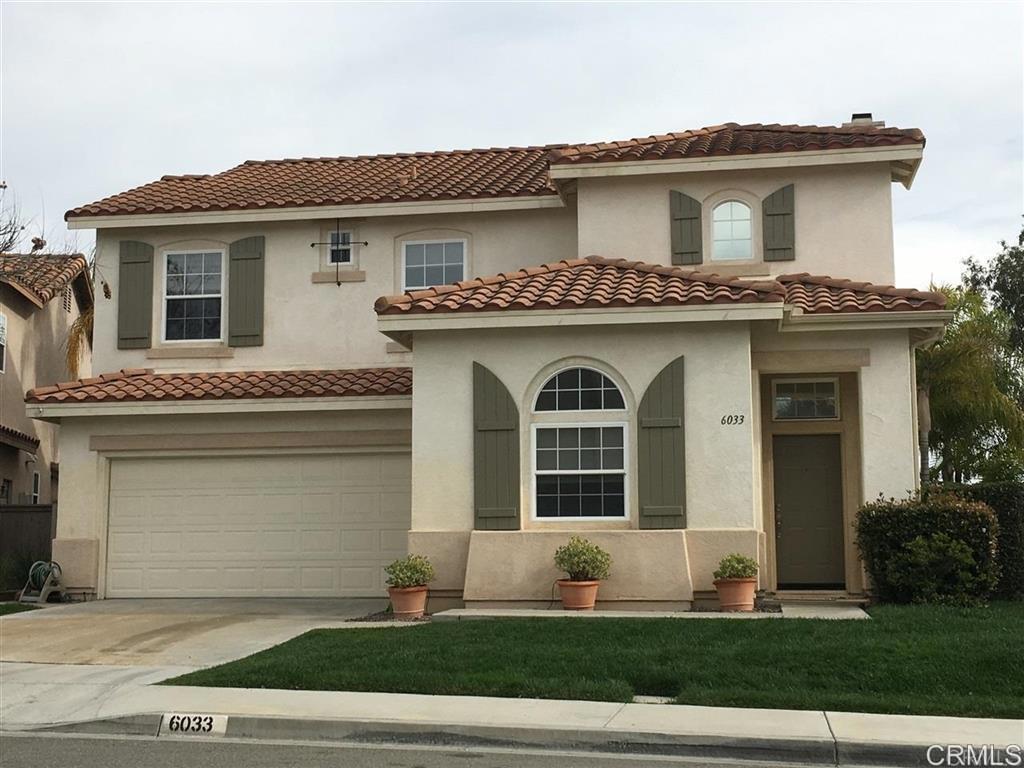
column 779, row 234
column 135, row 295
column 660, row 451
column 245, row 292
column 686, row 229
column 495, row 453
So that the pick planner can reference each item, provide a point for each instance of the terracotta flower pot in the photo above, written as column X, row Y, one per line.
column 408, row 602
column 736, row 594
column 578, row 595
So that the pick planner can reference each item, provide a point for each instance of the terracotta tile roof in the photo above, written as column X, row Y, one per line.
column 736, row 139
column 820, row 294
column 141, row 384
column 18, row 439
column 40, row 276
column 596, row 282
column 590, row 283
column 311, row 182
column 470, row 174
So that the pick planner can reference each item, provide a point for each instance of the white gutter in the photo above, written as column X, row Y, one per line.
column 797, row 320
column 315, row 212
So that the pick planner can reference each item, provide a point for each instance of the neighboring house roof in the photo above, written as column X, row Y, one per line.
column 471, row 174
column 143, row 384
column 735, row 139
column 596, row 282
column 18, row 439
column 40, row 277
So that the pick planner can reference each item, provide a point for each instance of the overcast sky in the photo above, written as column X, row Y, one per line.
column 98, row 98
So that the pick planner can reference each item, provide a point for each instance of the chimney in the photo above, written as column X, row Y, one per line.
column 864, row 119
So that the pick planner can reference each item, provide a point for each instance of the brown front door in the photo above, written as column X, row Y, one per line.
column 808, row 511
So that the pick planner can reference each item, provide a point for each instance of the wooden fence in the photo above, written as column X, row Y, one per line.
column 26, row 530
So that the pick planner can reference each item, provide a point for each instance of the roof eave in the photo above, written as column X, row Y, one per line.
column 797, row 320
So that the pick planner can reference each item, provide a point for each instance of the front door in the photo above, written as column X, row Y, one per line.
column 809, row 511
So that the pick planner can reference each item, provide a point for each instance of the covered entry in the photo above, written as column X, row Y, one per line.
column 256, row 525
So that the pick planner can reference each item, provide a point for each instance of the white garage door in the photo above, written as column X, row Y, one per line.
column 274, row 526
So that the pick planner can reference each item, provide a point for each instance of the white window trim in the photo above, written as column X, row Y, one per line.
column 626, row 462
column 579, row 411
column 350, row 245
column 750, row 208
column 834, row 380
column 168, row 252
column 465, row 257
column 36, row 488
column 3, row 340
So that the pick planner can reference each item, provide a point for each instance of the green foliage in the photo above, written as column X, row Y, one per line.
column 935, row 569
column 1007, row 500
column 906, row 542
column 583, row 560
column 972, row 381
column 736, row 566
column 1001, row 281
column 410, row 571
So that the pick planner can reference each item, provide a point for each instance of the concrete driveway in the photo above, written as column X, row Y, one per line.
column 167, row 632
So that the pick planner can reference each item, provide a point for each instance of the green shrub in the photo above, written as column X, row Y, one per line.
column 935, row 569
column 1007, row 500
column 410, row 571
column 907, row 559
column 736, row 566
column 583, row 560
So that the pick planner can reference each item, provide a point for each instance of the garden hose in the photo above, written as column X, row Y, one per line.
column 40, row 570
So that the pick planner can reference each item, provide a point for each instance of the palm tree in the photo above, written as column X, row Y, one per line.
column 966, row 383
column 79, row 337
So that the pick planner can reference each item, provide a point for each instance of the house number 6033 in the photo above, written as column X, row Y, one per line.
column 733, row 419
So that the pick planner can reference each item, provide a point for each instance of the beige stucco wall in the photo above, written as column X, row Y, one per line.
column 323, row 325
column 36, row 340
column 843, row 217
column 81, row 525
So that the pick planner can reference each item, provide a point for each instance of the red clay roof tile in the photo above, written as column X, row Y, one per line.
column 17, row 439
column 459, row 174
column 40, row 276
column 821, row 294
column 140, row 384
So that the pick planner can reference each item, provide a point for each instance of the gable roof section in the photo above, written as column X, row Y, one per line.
column 596, row 282
column 41, row 277
column 18, row 439
column 144, row 385
column 736, row 139
column 472, row 174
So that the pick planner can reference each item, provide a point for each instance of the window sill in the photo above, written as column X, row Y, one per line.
column 341, row 276
column 735, row 269
column 173, row 353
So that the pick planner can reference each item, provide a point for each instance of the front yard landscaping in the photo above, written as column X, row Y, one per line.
column 6, row 608
column 906, row 660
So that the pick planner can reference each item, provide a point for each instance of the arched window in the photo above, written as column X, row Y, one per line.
column 730, row 231
column 579, row 448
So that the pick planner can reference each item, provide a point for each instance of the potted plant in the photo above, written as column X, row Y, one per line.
column 407, row 585
column 586, row 564
column 735, row 581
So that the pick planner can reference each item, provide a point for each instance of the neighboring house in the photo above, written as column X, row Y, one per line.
column 677, row 383
column 41, row 295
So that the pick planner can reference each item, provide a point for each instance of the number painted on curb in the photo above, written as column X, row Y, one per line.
column 193, row 724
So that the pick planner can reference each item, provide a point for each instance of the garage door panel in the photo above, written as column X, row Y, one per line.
column 319, row 525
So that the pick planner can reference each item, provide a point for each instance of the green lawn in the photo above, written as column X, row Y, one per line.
column 911, row 660
column 6, row 608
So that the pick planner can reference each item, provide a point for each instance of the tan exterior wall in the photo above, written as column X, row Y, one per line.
column 309, row 320
column 843, row 217
column 81, row 525
column 35, row 357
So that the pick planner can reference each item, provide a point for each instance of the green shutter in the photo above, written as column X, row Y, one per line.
column 135, row 295
column 245, row 293
column 686, row 229
column 779, row 236
column 662, row 460
column 495, row 454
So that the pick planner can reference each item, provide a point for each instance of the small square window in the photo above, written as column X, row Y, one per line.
column 341, row 248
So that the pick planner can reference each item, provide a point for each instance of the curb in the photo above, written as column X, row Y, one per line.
column 818, row 752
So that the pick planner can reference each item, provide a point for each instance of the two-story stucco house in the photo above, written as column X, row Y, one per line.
column 681, row 346
column 41, row 297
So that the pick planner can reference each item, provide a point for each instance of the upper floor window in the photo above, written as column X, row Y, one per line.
column 340, row 251
column 432, row 262
column 193, row 296
column 3, row 342
column 731, row 231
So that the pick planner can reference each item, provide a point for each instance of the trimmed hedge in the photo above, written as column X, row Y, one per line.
column 940, row 548
column 1007, row 501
